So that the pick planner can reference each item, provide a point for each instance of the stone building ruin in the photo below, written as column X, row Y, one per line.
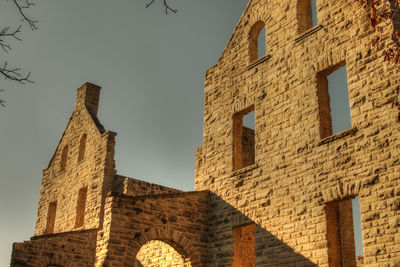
column 278, row 194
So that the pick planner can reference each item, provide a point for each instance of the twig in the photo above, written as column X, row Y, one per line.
column 166, row 6
column 26, row 4
column 2, row 102
column 14, row 74
column 4, row 33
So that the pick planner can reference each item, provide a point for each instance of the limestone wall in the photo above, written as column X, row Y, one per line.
column 297, row 171
column 66, row 249
column 133, row 187
column 179, row 220
column 70, row 170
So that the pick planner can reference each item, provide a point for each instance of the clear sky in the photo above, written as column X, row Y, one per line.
column 151, row 70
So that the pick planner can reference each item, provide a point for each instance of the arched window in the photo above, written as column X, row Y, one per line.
column 64, row 158
column 306, row 15
column 257, row 43
column 82, row 148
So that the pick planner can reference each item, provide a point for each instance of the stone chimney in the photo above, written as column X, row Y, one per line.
column 88, row 95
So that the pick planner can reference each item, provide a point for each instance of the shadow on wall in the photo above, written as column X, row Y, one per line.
column 231, row 238
column 229, row 246
column 138, row 264
column 203, row 229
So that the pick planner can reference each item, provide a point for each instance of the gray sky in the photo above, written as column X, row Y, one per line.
column 151, row 70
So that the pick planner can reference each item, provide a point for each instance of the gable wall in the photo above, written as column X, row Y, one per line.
column 95, row 171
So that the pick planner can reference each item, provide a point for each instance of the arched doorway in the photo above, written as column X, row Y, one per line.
column 157, row 253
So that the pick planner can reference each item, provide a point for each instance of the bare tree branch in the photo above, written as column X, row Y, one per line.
column 14, row 74
column 166, row 6
column 2, row 102
column 6, row 34
column 25, row 4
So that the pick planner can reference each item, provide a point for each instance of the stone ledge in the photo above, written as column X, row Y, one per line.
column 243, row 170
column 120, row 195
column 258, row 61
column 36, row 237
column 308, row 33
column 330, row 139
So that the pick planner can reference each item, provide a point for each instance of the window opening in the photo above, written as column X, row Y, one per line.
column 357, row 226
column 80, row 207
column 243, row 138
column 64, row 158
column 257, row 41
column 51, row 217
column 261, row 47
column 314, row 13
column 306, row 14
column 342, row 230
column 82, row 148
column 244, row 241
column 333, row 100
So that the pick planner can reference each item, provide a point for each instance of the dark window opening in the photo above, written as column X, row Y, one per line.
column 343, row 228
column 64, row 158
column 243, row 138
column 82, row 148
column 257, row 41
column 244, row 241
column 51, row 217
column 333, row 100
column 80, row 207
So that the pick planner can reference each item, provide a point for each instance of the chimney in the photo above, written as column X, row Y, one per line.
column 88, row 95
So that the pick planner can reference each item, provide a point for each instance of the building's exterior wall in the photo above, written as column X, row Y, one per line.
column 130, row 222
column 286, row 195
column 296, row 172
column 76, row 248
column 95, row 170
column 134, row 187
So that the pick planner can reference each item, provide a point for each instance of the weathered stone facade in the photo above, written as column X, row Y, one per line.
column 276, row 195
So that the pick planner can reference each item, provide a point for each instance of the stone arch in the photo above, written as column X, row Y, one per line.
column 341, row 191
column 174, row 238
column 155, row 253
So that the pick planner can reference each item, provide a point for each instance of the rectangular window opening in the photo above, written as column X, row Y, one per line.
column 244, row 242
column 333, row 100
column 306, row 15
column 314, row 13
column 344, row 232
column 80, row 207
column 243, row 138
column 51, row 217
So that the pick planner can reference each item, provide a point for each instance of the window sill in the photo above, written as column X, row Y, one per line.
column 332, row 138
column 258, row 61
column 244, row 169
column 308, row 33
